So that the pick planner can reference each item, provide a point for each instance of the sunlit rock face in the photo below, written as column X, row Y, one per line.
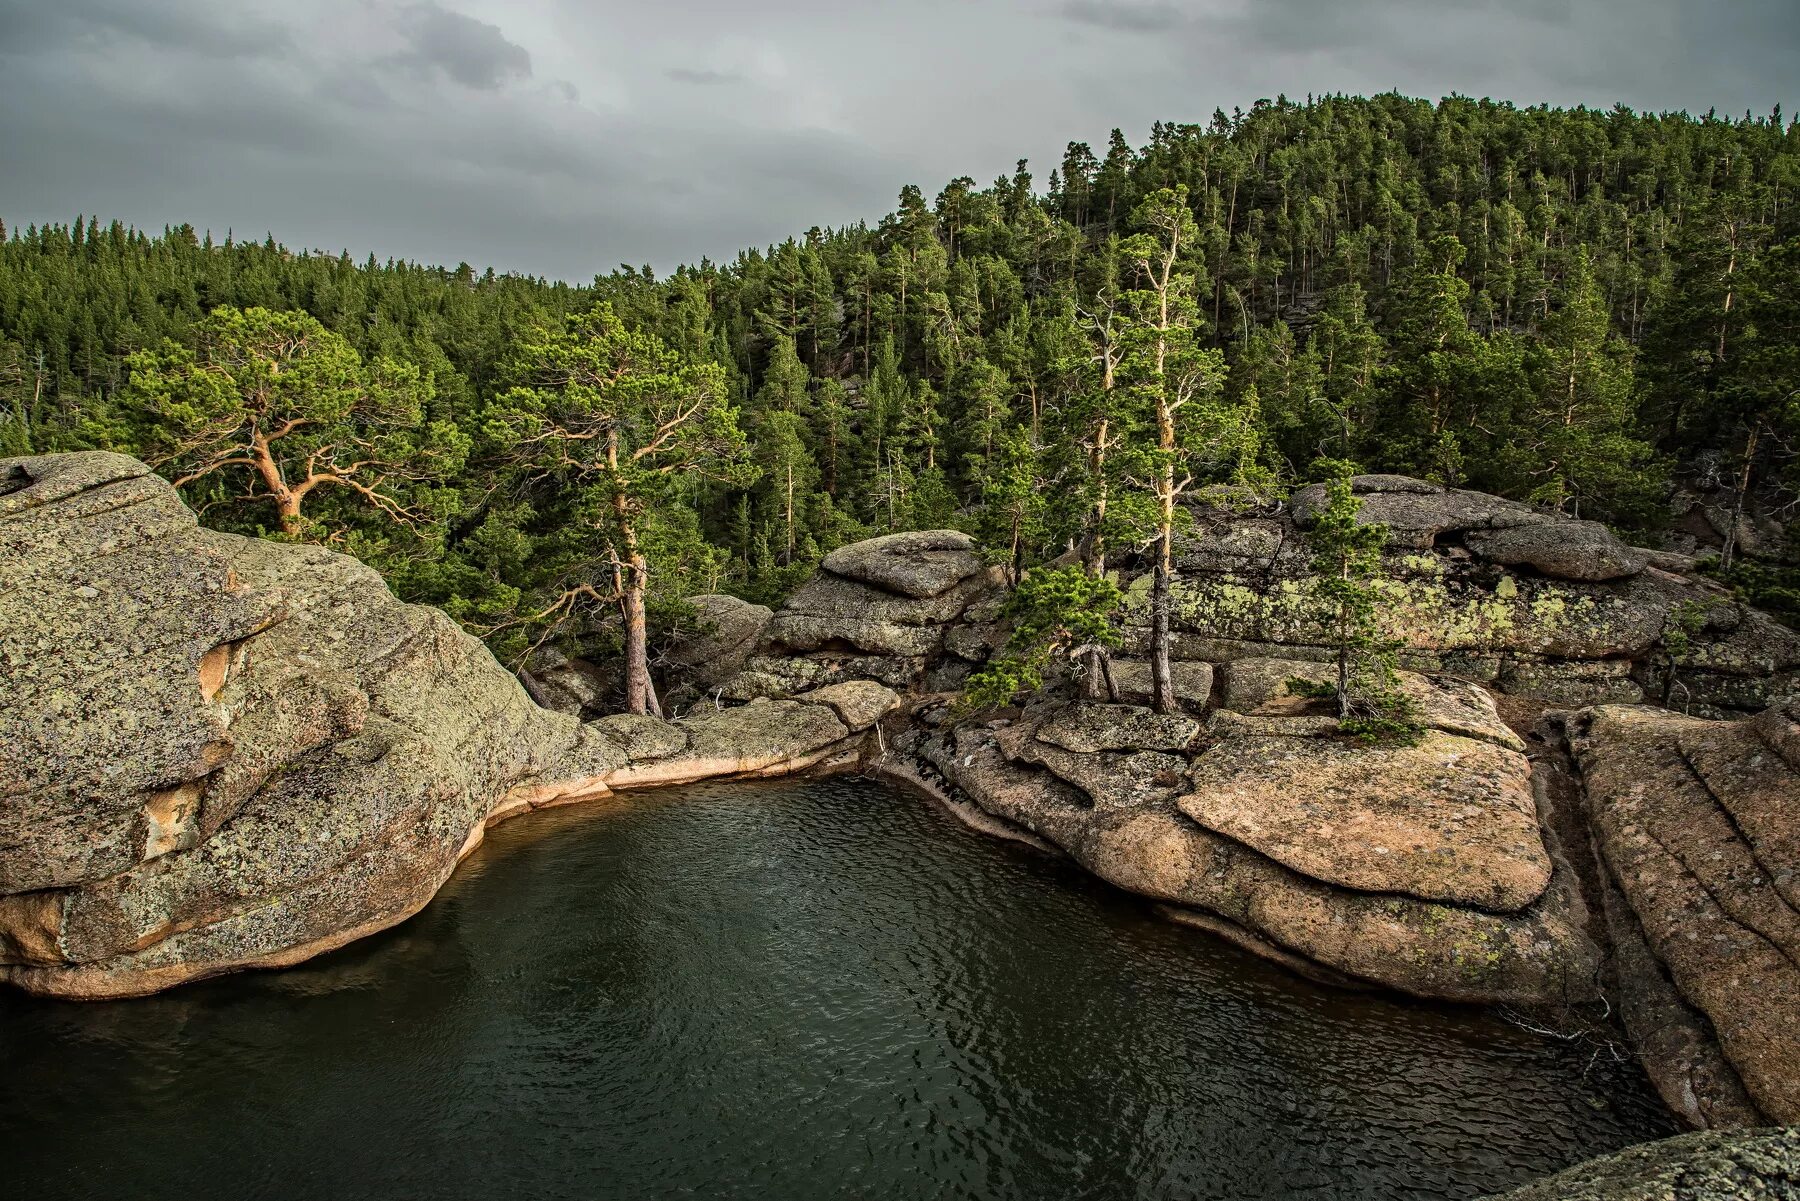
column 219, row 752
column 1420, row 868
column 1697, row 824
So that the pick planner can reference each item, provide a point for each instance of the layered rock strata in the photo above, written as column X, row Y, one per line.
column 895, row 609
column 1525, row 602
column 1420, row 868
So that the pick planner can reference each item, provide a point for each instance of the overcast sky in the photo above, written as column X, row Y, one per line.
column 562, row 137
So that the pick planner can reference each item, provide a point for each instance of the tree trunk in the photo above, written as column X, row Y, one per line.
column 1343, row 646
column 1095, row 557
column 637, row 660
column 1737, row 502
column 1162, row 685
column 790, row 513
column 640, row 696
column 287, row 501
column 1094, row 677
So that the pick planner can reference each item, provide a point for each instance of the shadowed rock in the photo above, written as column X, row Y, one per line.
column 728, row 631
column 1747, row 1165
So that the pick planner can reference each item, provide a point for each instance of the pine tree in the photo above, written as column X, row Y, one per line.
column 1347, row 559
column 620, row 418
column 1167, row 371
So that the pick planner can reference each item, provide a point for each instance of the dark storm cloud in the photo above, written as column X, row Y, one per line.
column 566, row 136
column 473, row 53
column 30, row 26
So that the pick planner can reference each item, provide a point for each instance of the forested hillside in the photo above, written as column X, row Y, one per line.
column 1588, row 310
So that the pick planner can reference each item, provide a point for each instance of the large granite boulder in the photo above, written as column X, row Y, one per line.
column 876, row 610
column 219, row 752
column 1744, row 1165
column 923, row 563
column 1449, row 819
column 1567, row 550
column 1417, row 513
column 1697, row 824
column 1421, row 869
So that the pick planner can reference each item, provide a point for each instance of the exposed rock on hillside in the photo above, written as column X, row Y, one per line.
column 1493, row 591
column 217, row 752
column 729, row 630
column 1697, row 824
column 876, row 610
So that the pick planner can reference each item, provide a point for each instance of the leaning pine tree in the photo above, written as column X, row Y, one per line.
column 1056, row 614
column 1347, row 559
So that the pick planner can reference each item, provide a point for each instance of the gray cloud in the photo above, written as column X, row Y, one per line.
column 702, row 77
column 182, row 25
column 1125, row 16
column 471, row 52
column 563, row 137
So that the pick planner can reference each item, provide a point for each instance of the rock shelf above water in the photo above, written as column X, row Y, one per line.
column 220, row 752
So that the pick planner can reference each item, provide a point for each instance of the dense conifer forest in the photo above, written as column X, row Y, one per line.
column 1596, row 311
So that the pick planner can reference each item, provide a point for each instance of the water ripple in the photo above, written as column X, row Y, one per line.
column 786, row 991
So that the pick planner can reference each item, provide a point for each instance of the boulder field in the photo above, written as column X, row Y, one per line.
column 219, row 753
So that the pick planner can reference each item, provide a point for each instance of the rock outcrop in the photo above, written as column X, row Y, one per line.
column 729, row 629
column 1418, row 868
column 879, row 610
column 1747, row 1165
column 1697, row 826
column 1528, row 603
column 219, row 752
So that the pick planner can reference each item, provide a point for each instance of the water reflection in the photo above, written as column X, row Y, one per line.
column 791, row 991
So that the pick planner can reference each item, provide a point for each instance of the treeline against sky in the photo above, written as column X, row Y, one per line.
column 1584, row 309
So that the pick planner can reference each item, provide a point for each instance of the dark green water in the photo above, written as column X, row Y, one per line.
column 785, row 991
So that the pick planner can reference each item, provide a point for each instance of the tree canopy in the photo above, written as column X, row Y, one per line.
column 1590, row 310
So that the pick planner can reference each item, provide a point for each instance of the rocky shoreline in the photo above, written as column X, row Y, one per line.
column 221, row 753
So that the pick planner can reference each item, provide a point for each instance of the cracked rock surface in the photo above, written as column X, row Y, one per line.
column 1698, row 826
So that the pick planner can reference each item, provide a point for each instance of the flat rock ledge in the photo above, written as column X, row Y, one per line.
column 1421, row 869
column 220, row 753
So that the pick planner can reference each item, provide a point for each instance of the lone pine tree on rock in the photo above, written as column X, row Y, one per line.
column 1347, row 558
column 1056, row 614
